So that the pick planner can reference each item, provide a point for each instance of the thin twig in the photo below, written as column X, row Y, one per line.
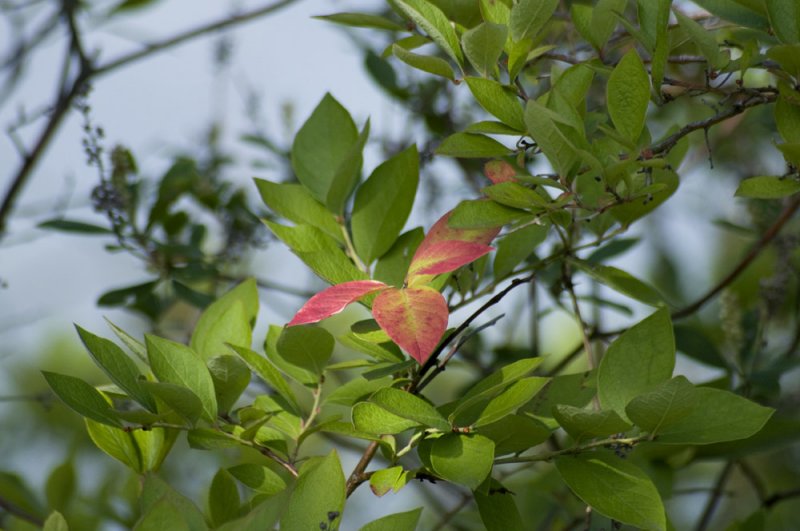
column 765, row 239
column 781, row 496
column 716, row 494
column 358, row 476
column 20, row 513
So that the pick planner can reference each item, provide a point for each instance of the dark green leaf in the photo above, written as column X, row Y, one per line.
column 66, row 225
column 663, row 406
column 307, row 347
column 383, row 203
column 615, row 488
column 118, row 366
column 180, row 365
column 768, row 187
column 483, row 214
column 393, row 265
column 178, row 398
column 702, row 38
column 265, row 370
column 497, row 509
column 231, row 377
column 544, row 126
column 516, row 246
column 515, row 395
column 362, row 20
column 259, row 478
column 82, row 397
column 572, row 389
column 623, row 282
column 737, row 12
column 468, row 145
column 462, row 459
column 719, row 416
column 155, row 489
column 498, row 100
column 784, row 16
column 435, row 23
column 228, row 320
column 528, row 17
column 318, row 496
column 483, row 45
column 628, row 93
column 638, row 360
column 406, row 521
column 427, row 63
column 373, row 419
column 223, row 498
column 408, row 406
column 295, row 203
column 515, row 433
column 60, row 486
column 585, row 424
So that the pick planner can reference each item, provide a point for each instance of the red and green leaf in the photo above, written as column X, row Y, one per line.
column 443, row 257
column 442, row 232
column 333, row 300
column 415, row 318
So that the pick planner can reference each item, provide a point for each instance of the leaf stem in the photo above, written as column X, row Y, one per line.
column 351, row 250
column 629, row 442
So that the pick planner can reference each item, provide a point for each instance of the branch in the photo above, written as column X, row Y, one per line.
column 20, row 513
column 66, row 95
column 760, row 245
column 628, row 443
column 358, row 476
column 668, row 143
column 719, row 489
column 781, row 496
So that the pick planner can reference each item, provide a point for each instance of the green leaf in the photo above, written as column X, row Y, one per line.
column 638, row 360
column 115, row 442
column 468, row 145
column 16, row 492
column 784, row 16
column 178, row 364
column 542, row 126
column 597, row 23
column 291, row 370
column 787, row 118
column 322, row 146
column 208, row 439
column 229, row 319
column 133, row 345
column 640, row 206
column 383, row 203
column 82, row 398
column 491, row 127
column 515, row 433
column 497, row 509
column 498, row 100
column 483, row 45
column 356, row 390
column 585, row 424
column 516, row 246
column 462, row 459
column 427, row 63
column 295, row 203
column 223, row 498
column 178, row 398
column 502, row 378
column 79, row 227
column 163, row 514
column 55, row 522
column 702, row 38
column 231, row 377
column 117, row 366
column 319, row 251
column 768, row 187
column 61, row 486
column 627, row 96
column 622, row 282
column 267, row 372
column 435, row 23
column 406, row 521
column 571, row 389
column 663, row 406
column 362, row 20
column 508, row 401
column 718, row 416
column 318, row 495
column 695, row 343
column 393, row 265
column 155, row 490
column 388, row 479
column 408, row 406
column 615, row 488
column 528, row 17
column 259, row 478
column 484, row 213
column 371, row 418
column 737, row 12
column 307, row 347
column 514, row 195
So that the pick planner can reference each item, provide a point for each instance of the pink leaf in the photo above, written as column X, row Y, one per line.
column 443, row 257
column 442, row 232
column 333, row 300
column 415, row 318
column 499, row 171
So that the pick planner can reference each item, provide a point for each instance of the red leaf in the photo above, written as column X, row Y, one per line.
column 442, row 232
column 499, row 171
column 443, row 257
column 415, row 318
column 333, row 300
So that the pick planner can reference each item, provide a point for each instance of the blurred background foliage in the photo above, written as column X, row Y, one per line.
column 194, row 229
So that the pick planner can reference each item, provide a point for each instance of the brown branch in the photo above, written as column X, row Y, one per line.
column 20, row 513
column 734, row 110
column 359, row 476
column 760, row 245
column 781, row 496
column 716, row 494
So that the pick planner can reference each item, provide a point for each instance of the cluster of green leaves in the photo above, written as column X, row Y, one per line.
column 583, row 167
column 166, row 230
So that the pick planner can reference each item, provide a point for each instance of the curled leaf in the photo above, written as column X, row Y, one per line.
column 333, row 300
